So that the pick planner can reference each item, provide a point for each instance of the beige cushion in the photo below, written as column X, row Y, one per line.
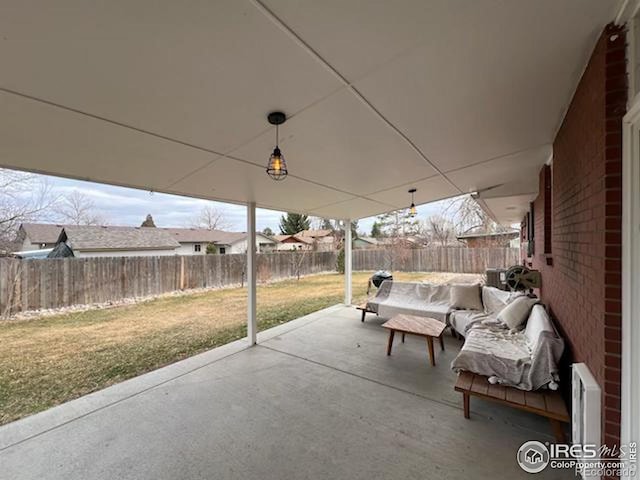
column 516, row 313
column 465, row 297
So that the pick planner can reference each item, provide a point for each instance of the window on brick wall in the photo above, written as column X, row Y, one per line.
column 531, row 231
column 548, row 212
column 634, row 51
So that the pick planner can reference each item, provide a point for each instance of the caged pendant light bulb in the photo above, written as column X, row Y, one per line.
column 412, row 209
column 277, row 167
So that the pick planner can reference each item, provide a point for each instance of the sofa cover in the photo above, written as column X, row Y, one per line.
column 411, row 298
column 527, row 359
column 493, row 300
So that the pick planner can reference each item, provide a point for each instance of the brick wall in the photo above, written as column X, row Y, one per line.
column 581, row 276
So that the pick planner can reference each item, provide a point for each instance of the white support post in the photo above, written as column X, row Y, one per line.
column 252, row 325
column 348, row 263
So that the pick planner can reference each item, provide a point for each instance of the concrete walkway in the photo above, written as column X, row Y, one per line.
column 317, row 399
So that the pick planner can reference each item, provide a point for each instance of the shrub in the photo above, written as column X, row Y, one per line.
column 340, row 261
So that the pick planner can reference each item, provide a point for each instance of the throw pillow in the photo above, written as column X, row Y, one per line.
column 465, row 297
column 516, row 313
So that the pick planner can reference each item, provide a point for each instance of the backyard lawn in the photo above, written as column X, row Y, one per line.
column 50, row 360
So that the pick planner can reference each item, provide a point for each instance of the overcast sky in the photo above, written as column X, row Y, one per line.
column 126, row 206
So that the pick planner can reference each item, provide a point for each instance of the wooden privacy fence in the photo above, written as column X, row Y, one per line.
column 53, row 283
column 435, row 259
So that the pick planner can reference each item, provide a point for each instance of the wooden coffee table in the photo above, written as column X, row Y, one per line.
column 429, row 328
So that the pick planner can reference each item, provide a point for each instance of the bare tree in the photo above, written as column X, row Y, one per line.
column 76, row 208
column 211, row 218
column 24, row 197
column 469, row 216
column 297, row 259
column 440, row 230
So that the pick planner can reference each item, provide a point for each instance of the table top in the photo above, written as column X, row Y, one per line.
column 416, row 325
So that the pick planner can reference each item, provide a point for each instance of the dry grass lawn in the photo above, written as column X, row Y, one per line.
column 47, row 361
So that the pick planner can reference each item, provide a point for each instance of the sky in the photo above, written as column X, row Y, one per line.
column 127, row 206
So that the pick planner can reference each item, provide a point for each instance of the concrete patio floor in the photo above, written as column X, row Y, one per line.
column 317, row 398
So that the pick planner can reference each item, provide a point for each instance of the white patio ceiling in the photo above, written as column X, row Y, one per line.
column 443, row 95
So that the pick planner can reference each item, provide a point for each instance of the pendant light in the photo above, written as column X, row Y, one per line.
column 277, row 167
column 412, row 209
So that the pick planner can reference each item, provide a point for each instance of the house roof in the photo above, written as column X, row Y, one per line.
column 42, row 232
column 49, row 233
column 508, row 233
column 117, row 238
column 202, row 235
column 197, row 235
column 297, row 237
column 370, row 240
column 315, row 233
column 229, row 238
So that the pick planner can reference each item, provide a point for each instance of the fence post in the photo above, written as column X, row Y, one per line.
column 181, row 272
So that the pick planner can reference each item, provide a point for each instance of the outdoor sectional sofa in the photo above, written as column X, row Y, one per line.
column 411, row 298
column 525, row 357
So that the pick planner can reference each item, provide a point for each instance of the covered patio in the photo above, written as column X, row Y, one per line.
column 524, row 105
column 317, row 398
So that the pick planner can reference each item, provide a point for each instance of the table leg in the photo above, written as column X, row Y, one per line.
column 442, row 342
column 465, row 401
column 430, row 348
column 402, row 337
column 390, row 344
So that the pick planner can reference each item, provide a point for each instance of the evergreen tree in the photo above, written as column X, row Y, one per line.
column 340, row 261
column 293, row 223
column 376, row 230
column 148, row 222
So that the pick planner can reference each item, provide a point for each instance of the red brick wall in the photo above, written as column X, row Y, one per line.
column 582, row 275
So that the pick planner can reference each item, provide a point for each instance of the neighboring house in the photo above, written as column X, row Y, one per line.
column 194, row 241
column 403, row 242
column 236, row 242
column 35, row 236
column 491, row 239
column 191, row 241
column 325, row 240
column 364, row 243
column 96, row 241
column 294, row 242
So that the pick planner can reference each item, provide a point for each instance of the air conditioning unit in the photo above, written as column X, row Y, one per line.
column 496, row 278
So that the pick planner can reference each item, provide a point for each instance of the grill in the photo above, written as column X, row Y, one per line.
column 379, row 277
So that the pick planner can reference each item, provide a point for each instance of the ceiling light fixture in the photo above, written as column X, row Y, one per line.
column 277, row 167
column 412, row 209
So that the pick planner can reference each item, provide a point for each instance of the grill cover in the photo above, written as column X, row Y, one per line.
column 379, row 277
